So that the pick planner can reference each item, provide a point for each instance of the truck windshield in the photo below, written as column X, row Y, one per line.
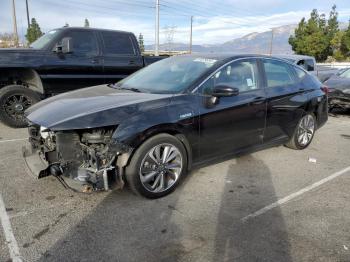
column 41, row 42
column 168, row 76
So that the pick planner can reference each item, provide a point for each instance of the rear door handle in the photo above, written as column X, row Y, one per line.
column 132, row 62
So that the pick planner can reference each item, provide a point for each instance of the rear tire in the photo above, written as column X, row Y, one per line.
column 157, row 166
column 303, row 133
column 14, row 100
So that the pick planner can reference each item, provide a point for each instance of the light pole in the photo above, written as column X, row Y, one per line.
column 271, row 42
column 156, row 48
column 191, row 35
column 14, row 23
column 27, row 9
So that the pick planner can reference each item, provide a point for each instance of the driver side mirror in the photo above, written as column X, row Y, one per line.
column 65, row 47
column 222, row 90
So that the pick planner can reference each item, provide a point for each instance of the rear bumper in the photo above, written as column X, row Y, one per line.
column 35, row 165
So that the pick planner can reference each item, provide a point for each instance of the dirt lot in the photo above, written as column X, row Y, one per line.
column 203, row 220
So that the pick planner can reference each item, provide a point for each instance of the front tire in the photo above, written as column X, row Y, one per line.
column 14, row 100
column 157, row 166
column 303, row 133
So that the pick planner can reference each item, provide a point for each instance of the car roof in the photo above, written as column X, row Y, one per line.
column 68, row 28
column 294, row 57
column 231, row 56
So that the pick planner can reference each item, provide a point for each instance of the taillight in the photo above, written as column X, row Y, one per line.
column 325, row 89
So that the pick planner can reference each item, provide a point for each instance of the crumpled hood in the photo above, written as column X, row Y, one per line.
column 92, row 107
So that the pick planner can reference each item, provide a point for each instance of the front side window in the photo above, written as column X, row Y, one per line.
column 84, row 43
column 117, row 44
column 240, row 74
column 278, row 73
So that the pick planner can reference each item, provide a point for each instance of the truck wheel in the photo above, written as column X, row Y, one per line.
column 157, row 166
column 14, row 100
column 303, row 133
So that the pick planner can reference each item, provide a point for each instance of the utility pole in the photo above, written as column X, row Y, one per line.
column 14, row 23
column 27, row 8
column 271, row 42
column 191, row 35
column 156, row 48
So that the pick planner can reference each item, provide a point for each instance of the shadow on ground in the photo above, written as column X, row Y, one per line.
column 156, row 230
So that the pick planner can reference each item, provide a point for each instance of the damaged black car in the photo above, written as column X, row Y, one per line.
column 151, row 128
column 339, row 90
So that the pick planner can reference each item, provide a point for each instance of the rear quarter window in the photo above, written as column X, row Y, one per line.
column 117, row 44
column 300, row 73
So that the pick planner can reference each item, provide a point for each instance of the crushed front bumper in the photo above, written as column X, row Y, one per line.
column 35, row 165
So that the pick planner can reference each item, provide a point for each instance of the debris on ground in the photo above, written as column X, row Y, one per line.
column 312, row 160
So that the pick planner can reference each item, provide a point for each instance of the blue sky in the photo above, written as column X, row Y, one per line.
column 215, row 21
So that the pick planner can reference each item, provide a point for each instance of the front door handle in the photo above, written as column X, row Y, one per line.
column 95, row 61
column 258, row 100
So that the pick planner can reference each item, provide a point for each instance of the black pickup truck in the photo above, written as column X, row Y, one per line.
column 62, row 60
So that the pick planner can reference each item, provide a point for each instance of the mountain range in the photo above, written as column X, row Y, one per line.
column 258, row 43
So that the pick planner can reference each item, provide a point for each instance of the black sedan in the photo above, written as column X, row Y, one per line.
column 339, row 89
column 152, row 127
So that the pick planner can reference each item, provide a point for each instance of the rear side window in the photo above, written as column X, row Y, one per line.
column 278, row 73
column 117, row 44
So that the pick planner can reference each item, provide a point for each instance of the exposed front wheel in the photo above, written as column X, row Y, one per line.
column 157, row 166
column 14, row 100
column 303, row 133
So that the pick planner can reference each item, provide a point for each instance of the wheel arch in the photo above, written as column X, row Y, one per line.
column 170, row 129
column 22, row 76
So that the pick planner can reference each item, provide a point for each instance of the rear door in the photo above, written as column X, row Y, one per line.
column 237, row 122
column 80, row 68
column 286, row 96
column 120, row 55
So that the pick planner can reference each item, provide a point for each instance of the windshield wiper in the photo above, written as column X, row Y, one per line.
column 116, row 86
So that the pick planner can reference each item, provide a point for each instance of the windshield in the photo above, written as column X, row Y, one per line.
column 168, row 76
column 41, row 42
column 345, row 74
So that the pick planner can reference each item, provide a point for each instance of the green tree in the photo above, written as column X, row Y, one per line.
column 141, row 43
column 336, row 45
column 332, row 30
column 86, row 23
column 345, row 43
column 311, row 37
column 33, row 32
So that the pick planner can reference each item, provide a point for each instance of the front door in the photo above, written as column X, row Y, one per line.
column 80, row 68
column 232, row 123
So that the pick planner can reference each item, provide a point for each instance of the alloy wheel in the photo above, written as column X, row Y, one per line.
column 306, row 130
column 161, row 168
column 15, row 105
